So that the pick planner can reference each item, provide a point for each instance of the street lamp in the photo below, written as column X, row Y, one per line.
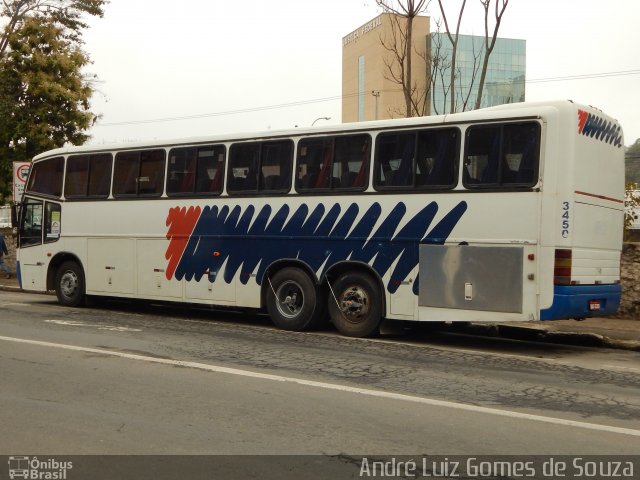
column 376, row 94
column 320, row 118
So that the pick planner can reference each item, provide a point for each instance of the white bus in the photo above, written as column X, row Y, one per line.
column 501, row 214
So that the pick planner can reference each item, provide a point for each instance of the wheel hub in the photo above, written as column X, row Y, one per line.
column 354, row 302
column 292, row 299
column 69, row 284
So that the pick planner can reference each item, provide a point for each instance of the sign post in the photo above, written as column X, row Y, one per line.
column 20, row 174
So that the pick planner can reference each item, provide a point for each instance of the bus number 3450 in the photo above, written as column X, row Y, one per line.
column 565, row 219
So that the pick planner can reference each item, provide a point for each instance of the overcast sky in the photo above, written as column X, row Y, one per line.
column 248, row 65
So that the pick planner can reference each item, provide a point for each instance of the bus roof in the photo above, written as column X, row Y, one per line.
column 523, row 109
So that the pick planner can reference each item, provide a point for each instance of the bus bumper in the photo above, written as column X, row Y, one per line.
column 580, row 301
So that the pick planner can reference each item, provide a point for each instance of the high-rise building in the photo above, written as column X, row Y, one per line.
column 370, row 76
column 368, row 89
column 504, row 82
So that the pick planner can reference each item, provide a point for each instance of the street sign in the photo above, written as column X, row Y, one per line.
column 20, row 174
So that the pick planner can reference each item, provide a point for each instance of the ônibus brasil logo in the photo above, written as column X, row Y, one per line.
column 33, row 468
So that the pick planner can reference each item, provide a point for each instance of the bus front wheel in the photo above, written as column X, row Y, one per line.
column 70, row 284
column 355, row 305
column 293, row 300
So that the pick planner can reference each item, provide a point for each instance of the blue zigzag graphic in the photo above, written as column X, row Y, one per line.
column 319, row 238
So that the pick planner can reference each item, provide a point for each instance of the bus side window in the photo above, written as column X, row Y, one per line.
column 125, row 173
column 482, row 156
column 502, row 155
column 139, row 173
column 88, row 176
column 244, row 159
column 100, row 175
column 151, row 179
column 52, row 222
column 520, row 154
column 181, row 172
column 419, row 159
column 437, row 158
column 77, row 176
column 333, row 163
column 46, row 177
column 31, row 223
column 315, row 156
column 275, row 166
column 394, row 160
column 260, row 167
column 210, row 170
column 351, row 162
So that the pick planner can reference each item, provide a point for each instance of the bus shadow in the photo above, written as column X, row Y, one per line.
column 483, row 337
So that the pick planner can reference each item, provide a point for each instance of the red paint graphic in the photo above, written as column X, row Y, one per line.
column 582, row 120
column 181, row 223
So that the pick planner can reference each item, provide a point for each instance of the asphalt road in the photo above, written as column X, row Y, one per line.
column 141, row 379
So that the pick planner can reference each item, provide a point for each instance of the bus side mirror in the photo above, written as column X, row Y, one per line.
column 14, row 215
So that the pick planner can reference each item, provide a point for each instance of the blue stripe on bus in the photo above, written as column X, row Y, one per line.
column 18, row 274
column 320, row 238
column 572, row 301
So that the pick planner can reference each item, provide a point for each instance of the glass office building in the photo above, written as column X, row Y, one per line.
column 506, row 72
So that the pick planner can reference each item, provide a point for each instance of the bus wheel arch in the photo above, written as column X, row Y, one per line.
column 69, row 283
column 293, row 297
column 55, row 264
column 356, row 301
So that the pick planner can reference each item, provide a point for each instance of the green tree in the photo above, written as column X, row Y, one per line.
column 67, row 13
column 44, row 97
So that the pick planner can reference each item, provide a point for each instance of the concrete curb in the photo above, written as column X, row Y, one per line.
column 543, row 335
column 10, row 288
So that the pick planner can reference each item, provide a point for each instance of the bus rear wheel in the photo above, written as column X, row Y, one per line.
column 294, row 302
column 356, row 308
column 70, row 288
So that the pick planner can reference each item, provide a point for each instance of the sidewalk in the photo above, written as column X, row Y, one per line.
column 617, row 333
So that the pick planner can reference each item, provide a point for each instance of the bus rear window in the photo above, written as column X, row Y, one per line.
column 46, row 177
column 502, row 155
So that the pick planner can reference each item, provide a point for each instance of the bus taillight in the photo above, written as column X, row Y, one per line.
column 562, row 267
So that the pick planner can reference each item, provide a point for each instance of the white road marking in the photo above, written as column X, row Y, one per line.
column 76, row 323
column 15, row 304
column 332, row 386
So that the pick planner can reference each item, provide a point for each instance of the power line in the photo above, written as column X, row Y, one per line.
column 228, row 112
column 340, row 97
column 585, row 76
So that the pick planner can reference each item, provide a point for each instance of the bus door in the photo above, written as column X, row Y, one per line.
column 40, row 226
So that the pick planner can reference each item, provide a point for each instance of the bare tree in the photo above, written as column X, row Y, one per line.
column 401, row 46
column 465, row 96
column 398, row 71
column 439, row 65
column 454, row 50
column 500, row 7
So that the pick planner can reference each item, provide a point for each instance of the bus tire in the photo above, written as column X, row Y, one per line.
column 294, row 302
column 70, row 287
column 356, row 310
